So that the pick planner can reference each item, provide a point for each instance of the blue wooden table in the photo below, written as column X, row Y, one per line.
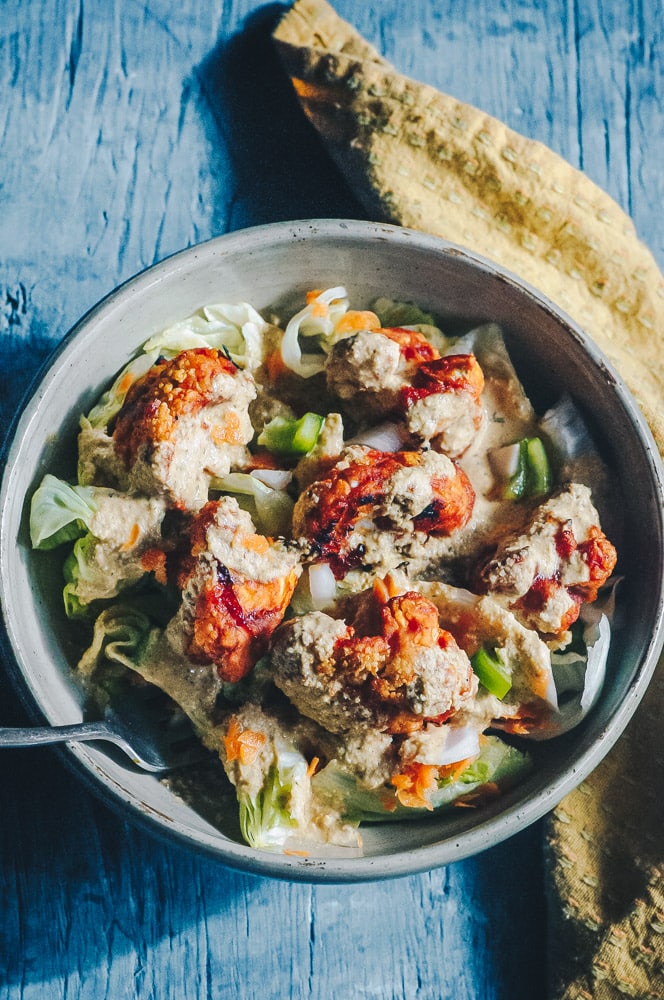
column 130, row 130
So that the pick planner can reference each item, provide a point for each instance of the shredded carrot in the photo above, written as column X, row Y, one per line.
column 540, row 685
column 523, row 722
column 313, row 295
column 313, row 766
column 355, row 320
column 476, row 798
column 386, row 588
column 393, row 589
column 381, row 593
column 252, row 542
column 319, row 309
column 228, row 432
column 414, row 783
column 242, row 744
column 132, row 539
column 126, row 382
column 263, row 459
column 154, row 561
column 295, row 854
column 454, row 770
column 516, row 727
column 275, row 366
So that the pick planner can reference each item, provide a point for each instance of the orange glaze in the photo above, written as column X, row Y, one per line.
column 169, row 390
column 348, row 495
column 454, row 373
column 234, row 619
column 415, row 348
column 384, row 663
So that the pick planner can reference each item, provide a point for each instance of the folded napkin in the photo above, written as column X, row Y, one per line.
column 422, row 159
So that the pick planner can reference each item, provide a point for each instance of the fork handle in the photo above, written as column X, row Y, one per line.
column 43, row 735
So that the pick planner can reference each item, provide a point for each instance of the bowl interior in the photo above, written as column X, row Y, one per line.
column 272, row 267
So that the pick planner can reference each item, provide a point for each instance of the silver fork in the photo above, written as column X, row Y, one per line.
column 153, row 739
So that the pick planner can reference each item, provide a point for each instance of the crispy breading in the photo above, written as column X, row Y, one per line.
column 371, row 495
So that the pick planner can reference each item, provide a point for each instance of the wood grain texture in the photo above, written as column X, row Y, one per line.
column 129, row 130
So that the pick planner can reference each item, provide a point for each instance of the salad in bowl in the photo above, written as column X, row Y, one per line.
column 345, row 545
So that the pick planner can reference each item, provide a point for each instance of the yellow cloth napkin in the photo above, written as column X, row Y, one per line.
column 422, row 159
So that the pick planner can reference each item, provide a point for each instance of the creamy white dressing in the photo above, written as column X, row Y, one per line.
column 364, row 374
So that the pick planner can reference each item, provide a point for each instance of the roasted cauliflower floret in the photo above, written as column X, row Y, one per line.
column 368, row 507
column 236, row 587
column 405, row 671
column 556, row 563
column 183, row 422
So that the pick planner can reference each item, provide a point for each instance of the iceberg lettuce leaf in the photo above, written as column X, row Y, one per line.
column 318, row 320
column 237, row 329
column 399, row 314
column 59, row 512
column 497, row 764
column 268, row 818
column 121, row 636
column 111, row 401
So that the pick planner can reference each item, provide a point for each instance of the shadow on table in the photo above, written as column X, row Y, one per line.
column 70, row 862
column 280, row 165
column 86, row 897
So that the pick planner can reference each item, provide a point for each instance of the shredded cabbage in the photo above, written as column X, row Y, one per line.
column 579, row 675
column 402, row 314
column 88, row 578
column 121, row 635
column 487, row 343
column 406, row 315
column 111, row 401
column 236, row 328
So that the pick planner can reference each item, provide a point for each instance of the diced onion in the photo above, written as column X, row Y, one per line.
column 462, row 742
column 322, row 585
column 274, row 508
column 504, row 461
column 276, row 479
column 580, row 679
column 383, row 437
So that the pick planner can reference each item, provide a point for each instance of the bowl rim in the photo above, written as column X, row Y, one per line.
column 403, row 861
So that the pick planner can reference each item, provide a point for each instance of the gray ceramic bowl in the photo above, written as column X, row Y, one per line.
column 275, row 265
